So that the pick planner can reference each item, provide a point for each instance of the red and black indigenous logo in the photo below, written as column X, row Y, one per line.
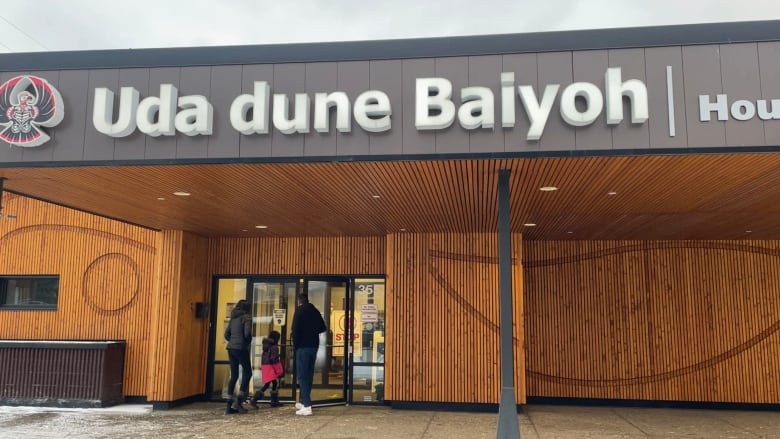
column 26, row 104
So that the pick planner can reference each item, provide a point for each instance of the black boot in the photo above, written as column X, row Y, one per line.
column 237, row 403
column 256, row 397
column 274, row 399
column 229, row 407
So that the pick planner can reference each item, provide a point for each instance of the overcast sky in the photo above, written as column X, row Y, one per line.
column 50, row 25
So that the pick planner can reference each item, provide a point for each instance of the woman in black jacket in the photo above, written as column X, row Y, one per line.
column 238, row 335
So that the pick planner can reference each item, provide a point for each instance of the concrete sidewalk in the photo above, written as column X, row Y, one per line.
column 205, row 420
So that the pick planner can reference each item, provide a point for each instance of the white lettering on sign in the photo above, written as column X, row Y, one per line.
column 538, row 112
column 436, row 110
column 580, row 104
column 371, row 111
column 153, row 115
column 258, row 103
column 433, row 108
column 323, row 102
column 740, row 110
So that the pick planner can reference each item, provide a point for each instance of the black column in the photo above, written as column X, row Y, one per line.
column 508, row 427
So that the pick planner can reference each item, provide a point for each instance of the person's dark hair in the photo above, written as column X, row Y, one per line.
column 275, row 336
column 303, row 298
column 243, row 305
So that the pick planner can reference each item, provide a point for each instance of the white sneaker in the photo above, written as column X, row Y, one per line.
column 305, row 411
column 298, row 406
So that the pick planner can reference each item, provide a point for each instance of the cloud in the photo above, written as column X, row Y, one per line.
column 94, row 24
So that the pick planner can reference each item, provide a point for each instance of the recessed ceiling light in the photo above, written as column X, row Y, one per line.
column 376, row 196
column 611, row 193
column 529, row 225
column 261, row 227
column 160, row 198
column 748, row 231
column 569, row 233
column 403, row 230
column 182, row 194
column 244, row 230
column 548, row 188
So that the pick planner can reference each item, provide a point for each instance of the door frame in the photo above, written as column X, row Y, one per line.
column 302, row 284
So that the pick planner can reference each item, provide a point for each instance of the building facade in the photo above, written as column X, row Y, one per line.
column 145, row 192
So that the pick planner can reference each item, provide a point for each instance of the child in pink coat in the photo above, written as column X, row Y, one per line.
column 271, row 369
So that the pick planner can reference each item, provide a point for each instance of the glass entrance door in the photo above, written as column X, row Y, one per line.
column 273, row 302
column 273, row 306
column 331, row 297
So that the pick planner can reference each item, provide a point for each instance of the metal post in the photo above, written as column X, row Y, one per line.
column 508, row 427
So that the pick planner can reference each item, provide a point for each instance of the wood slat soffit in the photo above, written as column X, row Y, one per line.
column 712, row 196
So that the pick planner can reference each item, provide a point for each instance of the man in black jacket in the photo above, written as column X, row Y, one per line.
column 238, row 335
column 308, row 324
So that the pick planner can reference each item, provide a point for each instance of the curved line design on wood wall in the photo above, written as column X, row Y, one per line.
column 753, row 341
column 650, row 245
column 76, row 229
column 121, row 269
column 663, row 375
column 643, row 247
column 125, row 278
column 453, row 293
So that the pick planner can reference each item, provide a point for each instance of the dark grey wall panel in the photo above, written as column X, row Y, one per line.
column 98, row 146
column 485, row 71
column 657, row 59
column 590, row 66
column 321, row 78
column 743, row 71
column 455, row 138
column 289, row 79
column 254, row 145
column 225, row 87
column 353, row 80
column 132, row 147
column 161, row 147
column 68, row 139
column 769, row 60
column 68, row 136
column 525, row 69
column 702, row 76
column 194, row 81
column 741, row 81
column 416, row 142
column 626, row 134
column 387, row 77
column 555, row 68
column 9, row 153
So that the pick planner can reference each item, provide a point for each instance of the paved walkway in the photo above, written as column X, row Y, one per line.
column 205, row 420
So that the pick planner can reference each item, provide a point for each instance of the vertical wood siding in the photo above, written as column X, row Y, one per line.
column 177, row 337
column 309, row 255
column 105, row 270
column 657, row 320
column 442, row 327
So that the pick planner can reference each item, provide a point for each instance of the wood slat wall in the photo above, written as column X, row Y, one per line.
column 443, row 312
column 654, row 320
column 178, row 369
column 106, row 286
column 280, row 256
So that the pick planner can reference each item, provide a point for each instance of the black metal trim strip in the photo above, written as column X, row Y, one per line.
column 546, row 400
column 400, row 157
column 446, row 406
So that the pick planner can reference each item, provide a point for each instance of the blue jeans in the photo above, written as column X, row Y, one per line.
column 304, row 368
